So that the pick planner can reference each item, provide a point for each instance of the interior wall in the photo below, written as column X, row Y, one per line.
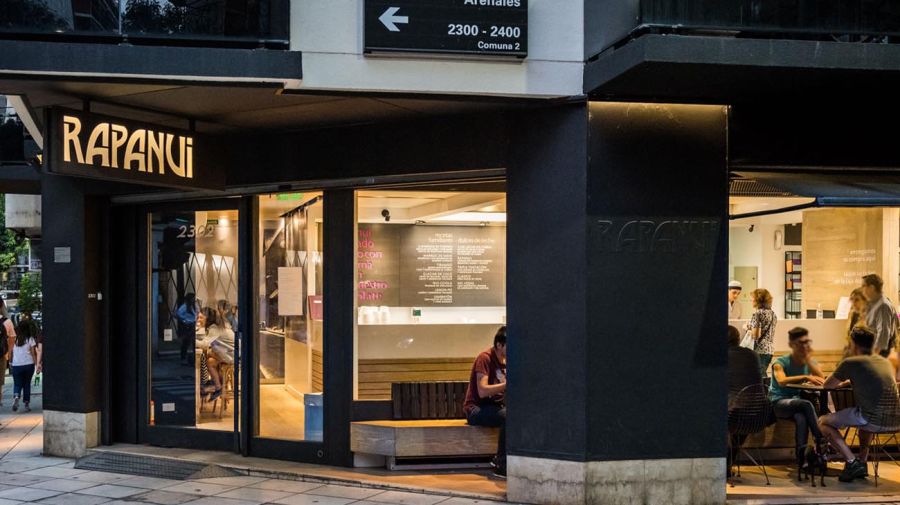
column 757, row 249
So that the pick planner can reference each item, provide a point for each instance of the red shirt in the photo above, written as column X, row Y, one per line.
column 487, row 363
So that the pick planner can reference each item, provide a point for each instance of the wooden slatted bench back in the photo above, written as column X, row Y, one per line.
column 377, row 375
column 429, row 400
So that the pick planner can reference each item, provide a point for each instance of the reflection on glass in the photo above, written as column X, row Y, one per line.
column 232, row 19
column 193, row 322
column 289, row 337
column 431, row 285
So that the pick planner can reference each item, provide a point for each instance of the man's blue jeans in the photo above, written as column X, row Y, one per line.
column 493, row 416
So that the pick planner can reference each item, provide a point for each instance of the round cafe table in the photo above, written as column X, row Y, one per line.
column 841, row 397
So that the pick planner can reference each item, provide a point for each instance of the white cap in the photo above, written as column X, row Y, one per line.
column 735, row 285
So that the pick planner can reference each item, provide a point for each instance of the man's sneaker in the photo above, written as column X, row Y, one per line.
column 16, row 404
column 855, row 469
column 499, row 472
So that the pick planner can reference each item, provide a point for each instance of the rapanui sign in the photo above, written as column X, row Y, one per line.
column 90, row 145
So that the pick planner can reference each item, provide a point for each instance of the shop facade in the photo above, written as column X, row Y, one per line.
column 609, row 158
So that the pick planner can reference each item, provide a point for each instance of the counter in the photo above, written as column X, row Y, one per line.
column 827, row 334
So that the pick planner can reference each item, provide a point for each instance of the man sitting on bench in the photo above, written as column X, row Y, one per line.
column 484, row 405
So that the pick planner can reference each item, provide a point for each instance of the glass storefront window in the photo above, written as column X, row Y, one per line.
column 251, row 20
column 194, row 348
column 431, row 285
column 289, row 337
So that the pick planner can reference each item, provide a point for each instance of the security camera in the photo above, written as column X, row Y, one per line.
column 751, row 228
column 386, row 214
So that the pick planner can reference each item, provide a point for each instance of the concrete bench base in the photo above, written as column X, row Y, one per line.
column 443, row 438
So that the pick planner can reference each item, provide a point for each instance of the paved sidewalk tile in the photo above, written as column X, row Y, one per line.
column 356, row 493
column 237, row 481
column 288, row 486
column 467, row 501
column 75, row 499
column 63, row 485
column 311, row 499
column 20, row 479
column 215, row 500
column 402, row 498
column 27, row 494
column 199, row 488
column 100, row 477
column 4, row 501
column 148, row 482
column 55, row 472
column 163, row 497
column 255, row 494
column 111, row 491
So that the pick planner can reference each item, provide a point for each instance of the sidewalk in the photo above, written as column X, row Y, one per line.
column 21, row 433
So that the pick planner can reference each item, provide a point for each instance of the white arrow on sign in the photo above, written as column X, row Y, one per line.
column 389, row 19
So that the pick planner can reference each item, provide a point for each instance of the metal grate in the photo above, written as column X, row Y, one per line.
column 147, row 466
column 750, row 187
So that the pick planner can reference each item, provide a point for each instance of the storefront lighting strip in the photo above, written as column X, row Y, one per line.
column 826, row 201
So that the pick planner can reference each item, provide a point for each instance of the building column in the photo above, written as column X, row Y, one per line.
column 617, row 315
column 72, row 233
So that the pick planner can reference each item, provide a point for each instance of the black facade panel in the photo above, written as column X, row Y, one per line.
column 339, row 295
column 606, row 22
column 546, row 285
column 656, row 277
column 123, row 313
column 467, row 143
column 72, row 375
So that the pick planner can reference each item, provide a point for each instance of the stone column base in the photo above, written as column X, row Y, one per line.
column 70, row 434
column 671, row 481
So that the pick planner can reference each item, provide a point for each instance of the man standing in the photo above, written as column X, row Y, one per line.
column 734, row 306
column 484, row 405
column 881, row 316
column 872, row 377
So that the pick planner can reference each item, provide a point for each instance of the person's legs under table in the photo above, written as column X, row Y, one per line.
column 803, row 413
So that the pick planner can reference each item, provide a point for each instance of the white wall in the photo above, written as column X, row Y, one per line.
column 330, row 35
column 23, row 212
column 757, row 248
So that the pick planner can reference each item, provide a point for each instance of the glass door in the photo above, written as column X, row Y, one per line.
column 193, row 327
column 288, row 378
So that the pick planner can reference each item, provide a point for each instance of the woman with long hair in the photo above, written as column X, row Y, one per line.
column 762, row 327
column 25, row 361
column 8, row 329
column 857, row 316
column 218, row 342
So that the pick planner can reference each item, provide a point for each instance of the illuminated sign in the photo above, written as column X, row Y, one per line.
column 89, row 145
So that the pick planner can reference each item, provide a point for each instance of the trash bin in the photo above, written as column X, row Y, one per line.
column 313, row 416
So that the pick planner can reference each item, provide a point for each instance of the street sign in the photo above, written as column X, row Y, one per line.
column 480, row 27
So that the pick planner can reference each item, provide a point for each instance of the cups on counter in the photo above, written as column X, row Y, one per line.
column 374, row 315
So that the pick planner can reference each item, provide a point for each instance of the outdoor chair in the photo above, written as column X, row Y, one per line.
column 748, row 414
column 887, row 421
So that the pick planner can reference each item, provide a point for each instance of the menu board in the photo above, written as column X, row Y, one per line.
column 431, row 266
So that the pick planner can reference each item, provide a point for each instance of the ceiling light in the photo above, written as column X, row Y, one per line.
column 477, row 217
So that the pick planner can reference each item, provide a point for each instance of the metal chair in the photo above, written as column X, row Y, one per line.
column 886, row 421
column 844, row 399
column 748, row 413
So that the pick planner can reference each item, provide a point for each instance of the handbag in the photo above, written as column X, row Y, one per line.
column 748, row 341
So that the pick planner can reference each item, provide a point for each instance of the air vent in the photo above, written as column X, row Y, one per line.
column 147, row 466
column 750, row 187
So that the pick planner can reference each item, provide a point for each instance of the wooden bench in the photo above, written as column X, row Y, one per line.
column 431, row 438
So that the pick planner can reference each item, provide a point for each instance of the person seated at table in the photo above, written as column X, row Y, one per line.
column 218, row 341
column 796, row 368
column 872, row 377
column 743, row 371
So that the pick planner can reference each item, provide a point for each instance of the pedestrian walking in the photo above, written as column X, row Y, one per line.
column 7, row 334
column 25, row 358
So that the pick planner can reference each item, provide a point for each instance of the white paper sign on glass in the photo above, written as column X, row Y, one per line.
column 290, row 291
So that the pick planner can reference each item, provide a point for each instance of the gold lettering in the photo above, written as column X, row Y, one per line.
column 176, row 168
column 119, row 137
column 138, row 140
column 71, row 129
column 190, row 157
column 101, row 134
column 155, row 142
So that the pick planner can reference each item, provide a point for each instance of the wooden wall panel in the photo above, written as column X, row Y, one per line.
column 840, row 246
